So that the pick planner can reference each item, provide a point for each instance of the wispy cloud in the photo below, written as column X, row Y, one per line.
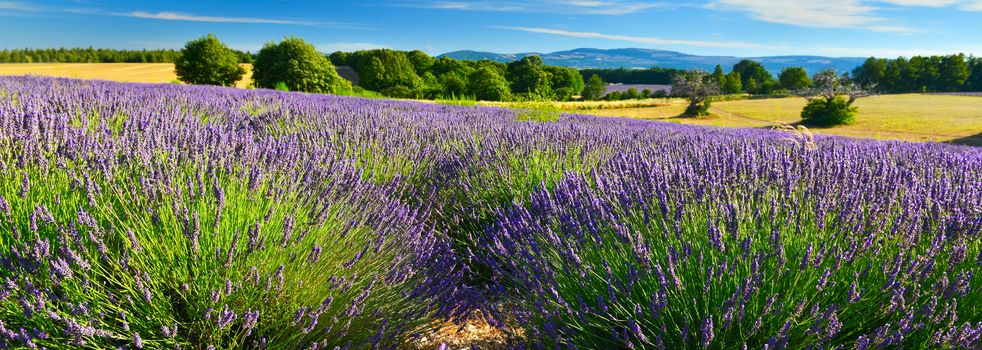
column 17, row 6
column 816, row 14
column 646, row 40
column 177, row 16
column 855, row 14
column 577, row 7
column 348, row 47
column 923, row 3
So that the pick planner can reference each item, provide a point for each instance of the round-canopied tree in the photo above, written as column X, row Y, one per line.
column 208, row 61
column 298, row 65
column 486, row 84
column 794, row 79
column 594, row 88
column 697, row 87
column 830, row 100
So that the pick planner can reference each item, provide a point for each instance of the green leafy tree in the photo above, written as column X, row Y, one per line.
column 565, row 82
column 733, row 84
column 974, row 82
column 420, row 61
column 953, row 72
column 487, row 84
column 830, row 101
column 594, row 88
column 872, row 72
column 208, row 61
column 718, row 76
column 794, row 79
column 529, row 78
column 697, row 87
column 755, row 78
column 297, row 64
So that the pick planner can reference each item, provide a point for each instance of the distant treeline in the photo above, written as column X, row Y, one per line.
column 92, row 55
column 952, row 73
column 653, row 75
column 415, row 74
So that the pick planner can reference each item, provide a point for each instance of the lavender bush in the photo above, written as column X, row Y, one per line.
column 162, row 216
column 744, row 240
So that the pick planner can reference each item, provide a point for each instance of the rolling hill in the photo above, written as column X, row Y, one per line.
column 645, row 58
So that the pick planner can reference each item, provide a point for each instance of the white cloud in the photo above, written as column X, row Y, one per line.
column 177, row 16
column 575, row 7
column 17, row 6
column 348, row 47
column 828, row 14
column 924, row 3
column 645, row 40
column 853, row 14
column 971, row 6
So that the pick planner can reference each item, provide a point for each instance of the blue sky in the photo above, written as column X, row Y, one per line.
column 885, row 28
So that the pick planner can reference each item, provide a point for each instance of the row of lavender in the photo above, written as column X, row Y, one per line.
column 167, row 216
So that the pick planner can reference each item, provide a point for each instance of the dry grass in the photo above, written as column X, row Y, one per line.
column 911, row 117
column 126, row 72
column 595, row 105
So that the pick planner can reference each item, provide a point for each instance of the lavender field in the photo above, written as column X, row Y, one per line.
column 144, row 216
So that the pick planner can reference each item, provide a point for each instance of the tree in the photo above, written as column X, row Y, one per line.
column 594, row 88
column 297, row 64
column 697, row 87
column 733, row 84
column 528, row 77
column 208, row 61
column 794, row 79
column 872, row 72
column 565, row 82
column 718, row 76
column 486, row 84
column 974, row 82
column 755, row 78
column 830, row 100
column 952, row 73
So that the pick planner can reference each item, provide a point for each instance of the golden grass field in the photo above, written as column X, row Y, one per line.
column 127, row 72
column 911, row 117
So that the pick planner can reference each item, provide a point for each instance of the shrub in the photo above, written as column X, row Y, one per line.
column 698, row 109
column 822, row 112
column 208, row 61
column 297, row 64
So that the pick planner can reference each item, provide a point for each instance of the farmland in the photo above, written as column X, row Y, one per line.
column 164, row 216
column 125, row 72
column 911, row 117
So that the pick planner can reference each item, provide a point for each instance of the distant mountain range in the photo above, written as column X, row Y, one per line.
column 646, row 58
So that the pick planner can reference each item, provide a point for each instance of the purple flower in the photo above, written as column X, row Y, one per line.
column 707, row 332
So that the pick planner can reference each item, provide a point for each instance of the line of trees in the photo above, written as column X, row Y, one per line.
column 414, row 74
column 952, row 73
column 654, row 75
column 92, row 55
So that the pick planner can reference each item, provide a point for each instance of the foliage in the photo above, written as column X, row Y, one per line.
column 754, row 77
column 830, row 100
column 565, row 82
column 528, row 77
column 822, row 112
column 951, row 73
column 487, row 84
column 733, row 83
column 208, row 61
column 794, row 79
column 298, row 64
column 594, row 88
column 261, row 219
column 697, row 87
column 654, row 75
